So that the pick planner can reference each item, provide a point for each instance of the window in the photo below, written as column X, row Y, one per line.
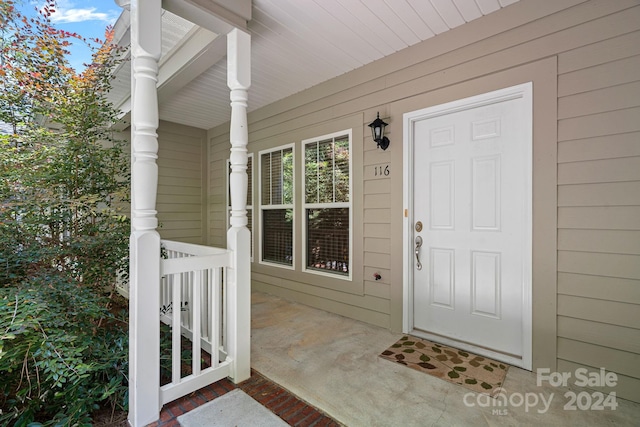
column 276, row 206
column 249, row 196
column 327, row 204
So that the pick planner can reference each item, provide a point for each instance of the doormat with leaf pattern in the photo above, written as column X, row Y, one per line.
column 477, row 373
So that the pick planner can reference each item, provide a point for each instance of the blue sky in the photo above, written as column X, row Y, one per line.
column 88, row 18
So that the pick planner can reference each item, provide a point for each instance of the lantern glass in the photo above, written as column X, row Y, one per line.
column 377, row 129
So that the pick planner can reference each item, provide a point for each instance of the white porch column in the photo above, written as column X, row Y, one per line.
column 144, row 289
column 238, row 236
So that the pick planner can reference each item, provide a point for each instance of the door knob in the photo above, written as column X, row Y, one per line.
column 417, row 251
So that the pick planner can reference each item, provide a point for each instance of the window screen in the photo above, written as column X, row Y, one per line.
column 276, row 205
column 327, row 204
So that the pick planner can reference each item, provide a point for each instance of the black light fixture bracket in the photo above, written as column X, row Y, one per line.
column 377, row 132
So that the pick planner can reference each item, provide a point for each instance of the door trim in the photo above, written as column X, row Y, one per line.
column 524, row 91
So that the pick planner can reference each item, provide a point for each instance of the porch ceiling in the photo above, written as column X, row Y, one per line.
column 296, row 44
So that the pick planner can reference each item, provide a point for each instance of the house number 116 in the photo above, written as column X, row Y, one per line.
column 381, row 170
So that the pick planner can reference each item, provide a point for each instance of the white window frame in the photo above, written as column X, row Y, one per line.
column 249, row 201
column 349, row 205
column 291, row 206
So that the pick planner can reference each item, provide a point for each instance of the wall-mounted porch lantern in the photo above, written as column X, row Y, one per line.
column 377, row 131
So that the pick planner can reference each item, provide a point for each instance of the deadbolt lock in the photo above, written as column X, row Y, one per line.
column 419, row 226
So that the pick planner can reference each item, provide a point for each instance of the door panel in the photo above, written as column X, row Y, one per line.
column 471, row 188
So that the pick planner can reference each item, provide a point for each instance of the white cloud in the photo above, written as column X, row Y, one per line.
column 66, row 12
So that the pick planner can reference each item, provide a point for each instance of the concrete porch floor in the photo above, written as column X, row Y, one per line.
column 332, row 363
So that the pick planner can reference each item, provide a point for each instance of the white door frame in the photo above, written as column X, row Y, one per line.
column 524, row 91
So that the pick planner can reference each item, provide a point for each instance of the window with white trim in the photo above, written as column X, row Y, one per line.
column 276, row 206
column 249, row 196
column 327, row 204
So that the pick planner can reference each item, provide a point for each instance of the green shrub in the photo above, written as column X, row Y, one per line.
column 63, row 230
column 62, row 353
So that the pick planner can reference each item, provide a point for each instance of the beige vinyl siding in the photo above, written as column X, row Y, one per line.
column 599, row 209
column 584, row 60
column 180, row 206
column 217, row 187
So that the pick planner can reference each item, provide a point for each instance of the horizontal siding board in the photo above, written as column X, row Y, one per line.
column 600, row 147
column 176, row 208
column 377, row 289
column 596, row 310
column 179, row 199
column 598, row 217
column 372, row 259
column 376, row 201
column 601, row 52
column 194, row 233
column 377, row 186
column 599, row 287
column 385, row 276
column 176, row 152
column 600, row 101
column 375, row 157
column 608, row 241
column 382, row 246
column 623, row 362
column 600, row 264
column 377, row 216
column 366, row 302
column 339, row 307
column 606, row 194
column 601, row 334
column 179, row 225
column 179, row 190
column 609, row 123
column 178, row 181
column 382, row 231
column 191, row 164
column 218, row 223
column 171, row 172
column 181, row 216
column 599, row 76
column 597, row 171
column 627, row 388
column 180, row 193
column 196, row 240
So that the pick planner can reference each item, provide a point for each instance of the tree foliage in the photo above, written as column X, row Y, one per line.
column 63, row 233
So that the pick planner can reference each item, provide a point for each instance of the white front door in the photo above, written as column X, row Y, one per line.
column 470, row 192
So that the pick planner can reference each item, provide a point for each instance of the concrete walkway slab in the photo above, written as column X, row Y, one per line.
column 332, row 363
column 235, row 408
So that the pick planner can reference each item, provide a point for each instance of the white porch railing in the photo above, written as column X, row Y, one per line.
column 192, row 294
column 201, row 277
